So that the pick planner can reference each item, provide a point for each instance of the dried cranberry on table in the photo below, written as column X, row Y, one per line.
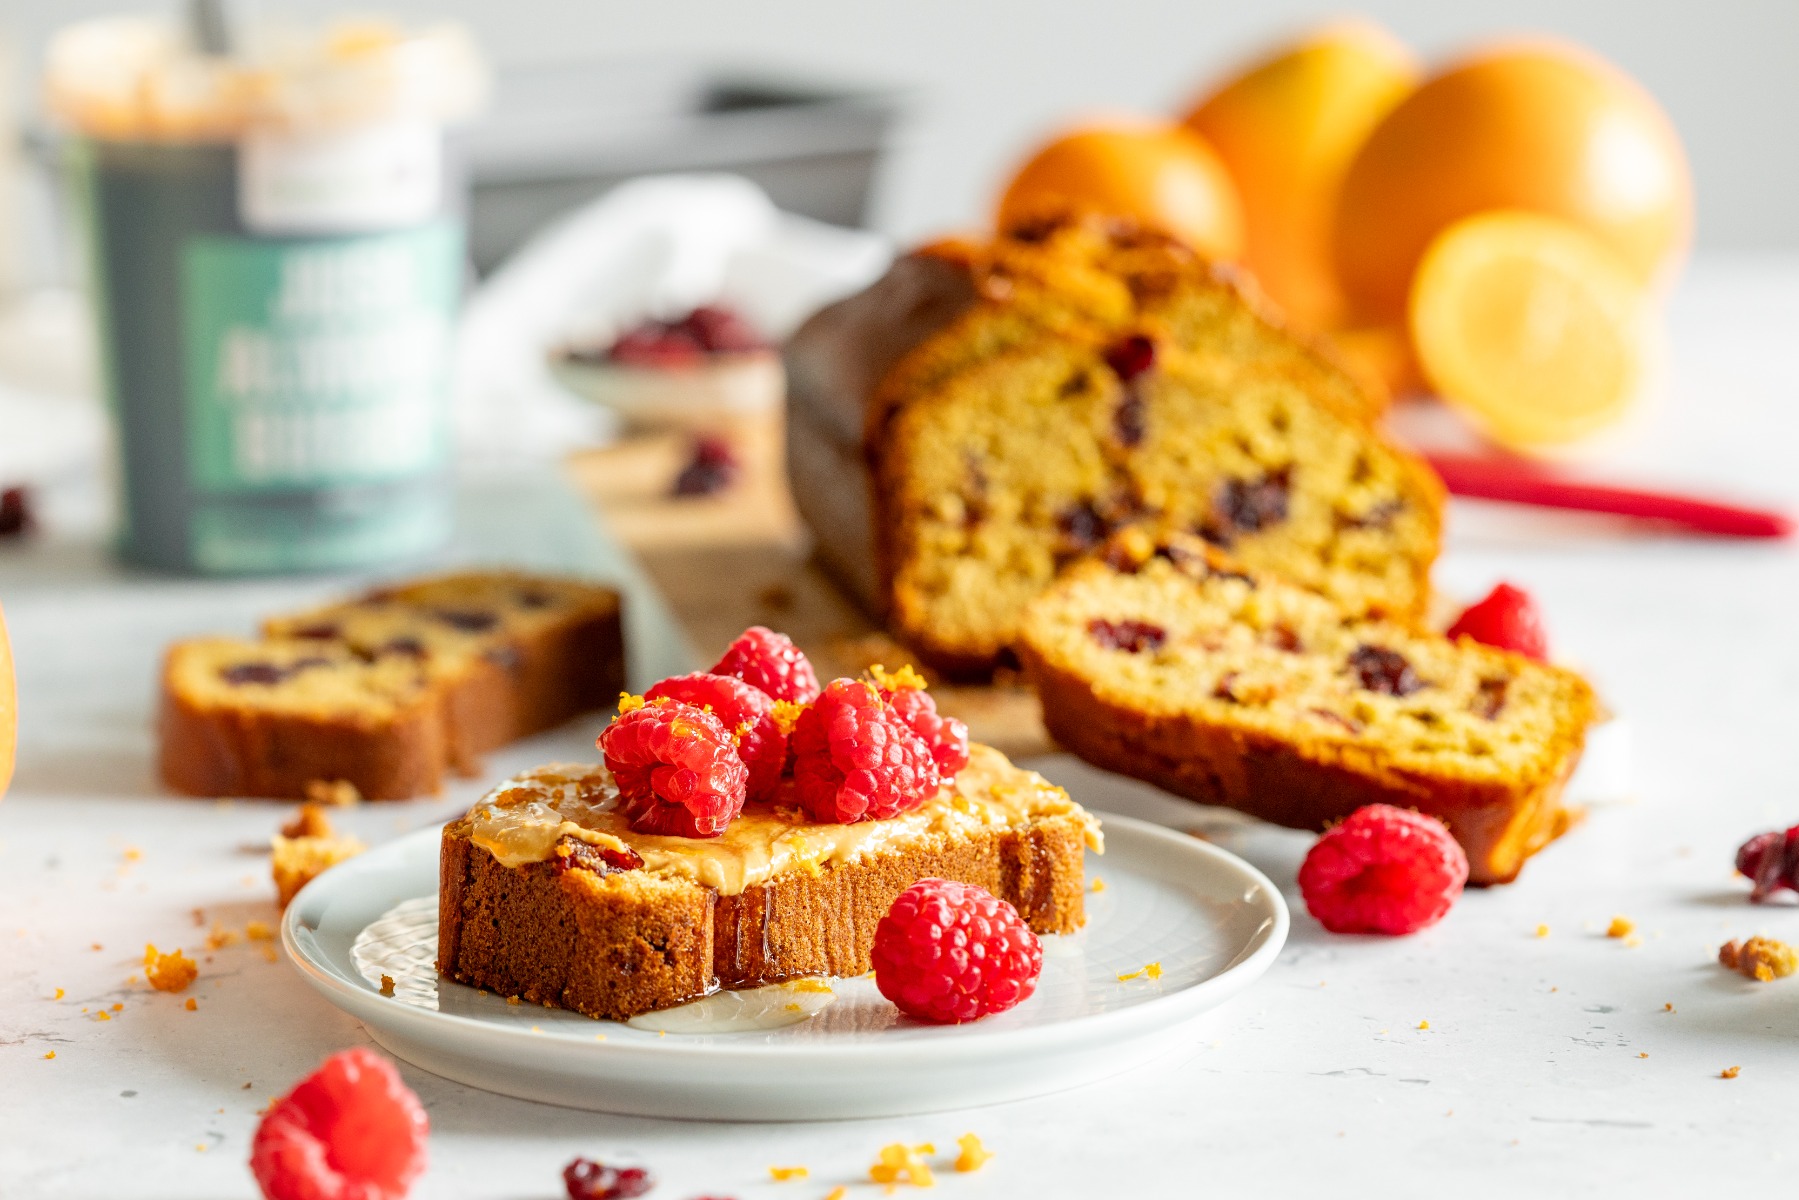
column 1771, row 862
column 16, row 517
column 712, row 468
column 587, row 1179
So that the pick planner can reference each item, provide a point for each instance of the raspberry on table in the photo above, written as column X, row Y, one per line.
column 1383, row 870
column 586, row 1179
column 677, row 769
column 1507, row 618
column 352, row 1130
column 856, row 759
column 950, row 952
column 947, row 737
column 747, row 712
column 769, row 660
column 1771, row 861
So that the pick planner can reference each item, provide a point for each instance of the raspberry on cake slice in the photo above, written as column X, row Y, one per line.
column 670, row 876
column 1166, row 660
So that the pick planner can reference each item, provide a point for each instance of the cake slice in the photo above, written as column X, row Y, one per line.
column 1165, row 660
column 547, row 894
column 511, row 654
column 985, row 414
column 383, row 694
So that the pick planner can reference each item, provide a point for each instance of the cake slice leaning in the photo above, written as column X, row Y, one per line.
column 1162, row 659
column 548, row 895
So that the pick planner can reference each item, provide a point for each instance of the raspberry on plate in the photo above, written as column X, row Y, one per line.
column 677, row 770
column 946, row 736
column 769, row 660
column 856, row 759
column 747, row 712
column 1507, row 618
column 1383, row 870
column 950, row 952
column 352, row 1130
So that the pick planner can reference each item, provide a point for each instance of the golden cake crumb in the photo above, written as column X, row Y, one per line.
column 783, row 1174
column 513, row 1000
column 899, row 1162
column 259, row 931
column 1621, row 927
column 1669, row 1007
column 297, row 861
column 194, row 1006
column 1098, row 884
column 1643, row 1054
column 971, row 1154
column 340, row 793
column 49, row 1054
column 1424, row 1024
column 309, row 820
column 1761, row 959
column 1148, row 971
column 170, row 972
column 837, row 1193
column 102, row 1016
column 133, row 854
column 809, row 983
column 1729, row 1072
column 1542, row 931
column 59, row 994
column 387, row 985
column 118, row 1008
column 220, row 937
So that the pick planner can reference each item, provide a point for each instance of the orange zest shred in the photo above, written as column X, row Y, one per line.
column 971, row 1156
column 783, row 1174
column 1147, row 971
column 786, row 714
column 900, row 1163
column 1621, row 927
column 1730, row 1072
column 193, row 1005
column 628, row 703
column 906, row 678
column 170, row 972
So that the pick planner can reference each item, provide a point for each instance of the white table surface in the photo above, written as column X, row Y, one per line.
column 1531, row 1074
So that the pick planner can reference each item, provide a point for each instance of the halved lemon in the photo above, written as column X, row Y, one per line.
column 1532, row 327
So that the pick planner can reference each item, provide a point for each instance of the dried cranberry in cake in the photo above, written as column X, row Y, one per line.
column 951, row 952
column 1383, row 870
column 677, row 770
column 573, row 854
column 947, row 737
column 1771, row 862
column 747, row 712
column 1131, row 357
column 768, row 660
column 1082, row 526
column 1249, row 506
column 466, row 620
column 856, row 759
column 1507, row 618
column 352, row 1130
column 586, row 1179
column 1378, row 669
column 242, row 674
column 1133, row 637
column 1130, row 420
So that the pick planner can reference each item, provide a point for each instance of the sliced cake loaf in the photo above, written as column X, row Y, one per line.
column 1165, row 660
column 987, row 413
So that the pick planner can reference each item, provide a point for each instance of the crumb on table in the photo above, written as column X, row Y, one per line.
column 170, row 972
column 1761, row 959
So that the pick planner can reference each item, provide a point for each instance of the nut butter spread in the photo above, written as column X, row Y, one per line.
column 522, row 819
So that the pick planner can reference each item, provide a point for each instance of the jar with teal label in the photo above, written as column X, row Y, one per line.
column 275, row 290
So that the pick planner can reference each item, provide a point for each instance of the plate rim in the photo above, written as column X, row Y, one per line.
column 1250, row 962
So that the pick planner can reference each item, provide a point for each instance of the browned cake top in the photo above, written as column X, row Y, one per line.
column 522, row 820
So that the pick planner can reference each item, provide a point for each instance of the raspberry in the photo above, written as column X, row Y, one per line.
column 352, row 1130
column 1383, row 870
column 747, row 713
column 950, row 952
column 946, row 736
column 1771, row 861
column 769, row 660
column 586, row 1179
column 1507, row 618
column 677, row 770
column 856, row 759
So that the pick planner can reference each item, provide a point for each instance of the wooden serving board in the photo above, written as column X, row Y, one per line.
column 743, row 557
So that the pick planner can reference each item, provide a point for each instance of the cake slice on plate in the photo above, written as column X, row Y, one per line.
column 1163, row 659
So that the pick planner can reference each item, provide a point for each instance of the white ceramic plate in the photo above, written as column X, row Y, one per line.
column 1211, row 921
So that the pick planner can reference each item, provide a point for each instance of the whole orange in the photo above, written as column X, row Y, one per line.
column 1286, row 129
column 9, row 709
column 1538, row 126
column 1161, row 175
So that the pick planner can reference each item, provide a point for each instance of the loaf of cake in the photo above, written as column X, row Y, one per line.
column 984, row 414
column 383, row 694
column 1165, row 660
column 549, row 895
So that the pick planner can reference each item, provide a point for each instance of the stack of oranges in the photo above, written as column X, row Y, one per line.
column 1497, row 231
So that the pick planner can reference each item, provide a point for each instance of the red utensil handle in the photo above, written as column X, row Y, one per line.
column 1489, row 479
